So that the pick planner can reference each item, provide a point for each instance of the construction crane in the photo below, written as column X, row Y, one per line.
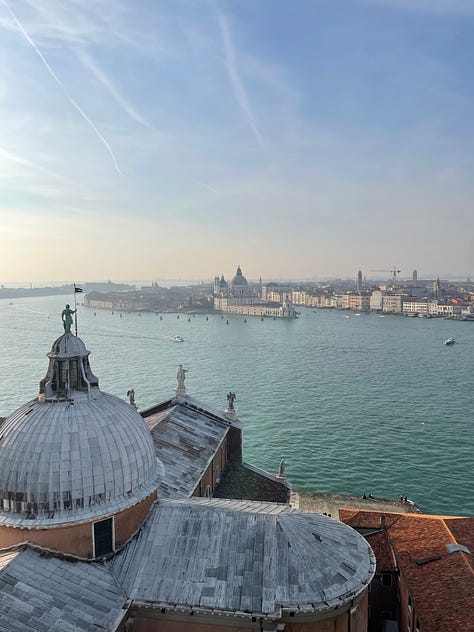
column 394, row 272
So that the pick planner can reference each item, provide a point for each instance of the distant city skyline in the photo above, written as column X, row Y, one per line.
column 299, row 140
column 366, row 279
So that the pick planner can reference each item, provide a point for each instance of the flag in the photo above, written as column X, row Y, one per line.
column 78, row 289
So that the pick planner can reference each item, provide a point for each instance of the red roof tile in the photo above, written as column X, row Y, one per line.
column 383, row 551
column 441, row 584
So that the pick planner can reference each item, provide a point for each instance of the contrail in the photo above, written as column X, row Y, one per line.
column 89, row 63
column 235, row 79
column 58, row 81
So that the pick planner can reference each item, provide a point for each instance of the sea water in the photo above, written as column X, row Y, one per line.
column 355, row 404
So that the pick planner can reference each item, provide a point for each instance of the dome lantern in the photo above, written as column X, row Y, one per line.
column 69, row 374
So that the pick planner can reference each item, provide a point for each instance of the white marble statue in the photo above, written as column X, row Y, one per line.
column 180, row 376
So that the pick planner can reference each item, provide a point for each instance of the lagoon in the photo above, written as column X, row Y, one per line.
column 358, row 404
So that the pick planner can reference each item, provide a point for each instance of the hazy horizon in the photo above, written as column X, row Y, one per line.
column 197, row 280
column 302, row 140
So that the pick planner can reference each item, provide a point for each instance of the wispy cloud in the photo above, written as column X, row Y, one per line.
column 59, row 82
column 235, row 80
column 8, row 157
column 100, row 75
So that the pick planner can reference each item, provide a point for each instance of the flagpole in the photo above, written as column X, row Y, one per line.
column 75, row 309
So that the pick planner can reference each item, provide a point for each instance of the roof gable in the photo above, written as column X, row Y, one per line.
column 186, row 436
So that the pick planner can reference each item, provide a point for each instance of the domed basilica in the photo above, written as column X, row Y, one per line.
column 114, row 519
column 240, row 297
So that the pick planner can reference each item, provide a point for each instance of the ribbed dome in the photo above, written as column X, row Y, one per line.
column 239, row 278
column 64, row 461
column 68, row 346
column 75, row 452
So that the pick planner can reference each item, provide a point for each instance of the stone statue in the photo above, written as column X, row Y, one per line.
column 281, row 470
column 131, row 396
column 67, row 318
column 230, row 400
column 180, row 375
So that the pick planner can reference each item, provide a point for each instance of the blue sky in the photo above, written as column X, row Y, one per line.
column 147, row 139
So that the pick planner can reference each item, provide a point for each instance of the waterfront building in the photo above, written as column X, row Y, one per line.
column 241, row 298
column 299, row 297
column 392, row 303
column 357, row 302
column 430, row 308
column 123, row 521
column 320, row 300
column 417, row 307
column 376, row 300
column 424, row 579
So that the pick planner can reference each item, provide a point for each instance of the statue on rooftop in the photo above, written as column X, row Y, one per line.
column 230, row 400
column 180, row 376
column 66, row 317
column 281, row 469
column 131, row 396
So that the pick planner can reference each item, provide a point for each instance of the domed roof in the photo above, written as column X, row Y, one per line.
column 74, row 453
column 239, row 278
column 68, row 346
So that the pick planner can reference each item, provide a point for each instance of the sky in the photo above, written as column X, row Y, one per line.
column 148, row 139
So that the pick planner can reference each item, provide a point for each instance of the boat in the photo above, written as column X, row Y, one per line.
column 177, row 339
column 449, row 341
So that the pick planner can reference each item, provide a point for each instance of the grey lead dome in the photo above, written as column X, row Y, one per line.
column 74, row 452
column 239, row 278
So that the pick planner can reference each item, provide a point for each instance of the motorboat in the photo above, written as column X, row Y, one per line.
column 177, row 339
column 449, row 341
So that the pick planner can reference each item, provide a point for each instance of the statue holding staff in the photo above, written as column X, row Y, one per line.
column 66, row 317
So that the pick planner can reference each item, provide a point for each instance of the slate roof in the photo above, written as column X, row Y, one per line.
column 71, row 461
column 186, row 435
column 242, row 556
column 440, row 579
column 246, row 482
column 41, row 593
column 209, row 555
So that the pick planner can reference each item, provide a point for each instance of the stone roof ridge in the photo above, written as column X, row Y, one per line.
column 272, row 477
column 196, row 404
column 8, row 556
column 247, row 506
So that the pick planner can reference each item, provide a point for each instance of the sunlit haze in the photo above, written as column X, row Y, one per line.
column 167, row 139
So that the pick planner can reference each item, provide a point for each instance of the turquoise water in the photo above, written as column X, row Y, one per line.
column 359, row 405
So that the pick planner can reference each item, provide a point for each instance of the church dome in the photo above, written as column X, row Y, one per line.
column 74, row 453
column 239, row 278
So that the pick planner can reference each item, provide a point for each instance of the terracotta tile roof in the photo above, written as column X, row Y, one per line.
column 380, row 544
column 367, row 519
column 441, row 583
